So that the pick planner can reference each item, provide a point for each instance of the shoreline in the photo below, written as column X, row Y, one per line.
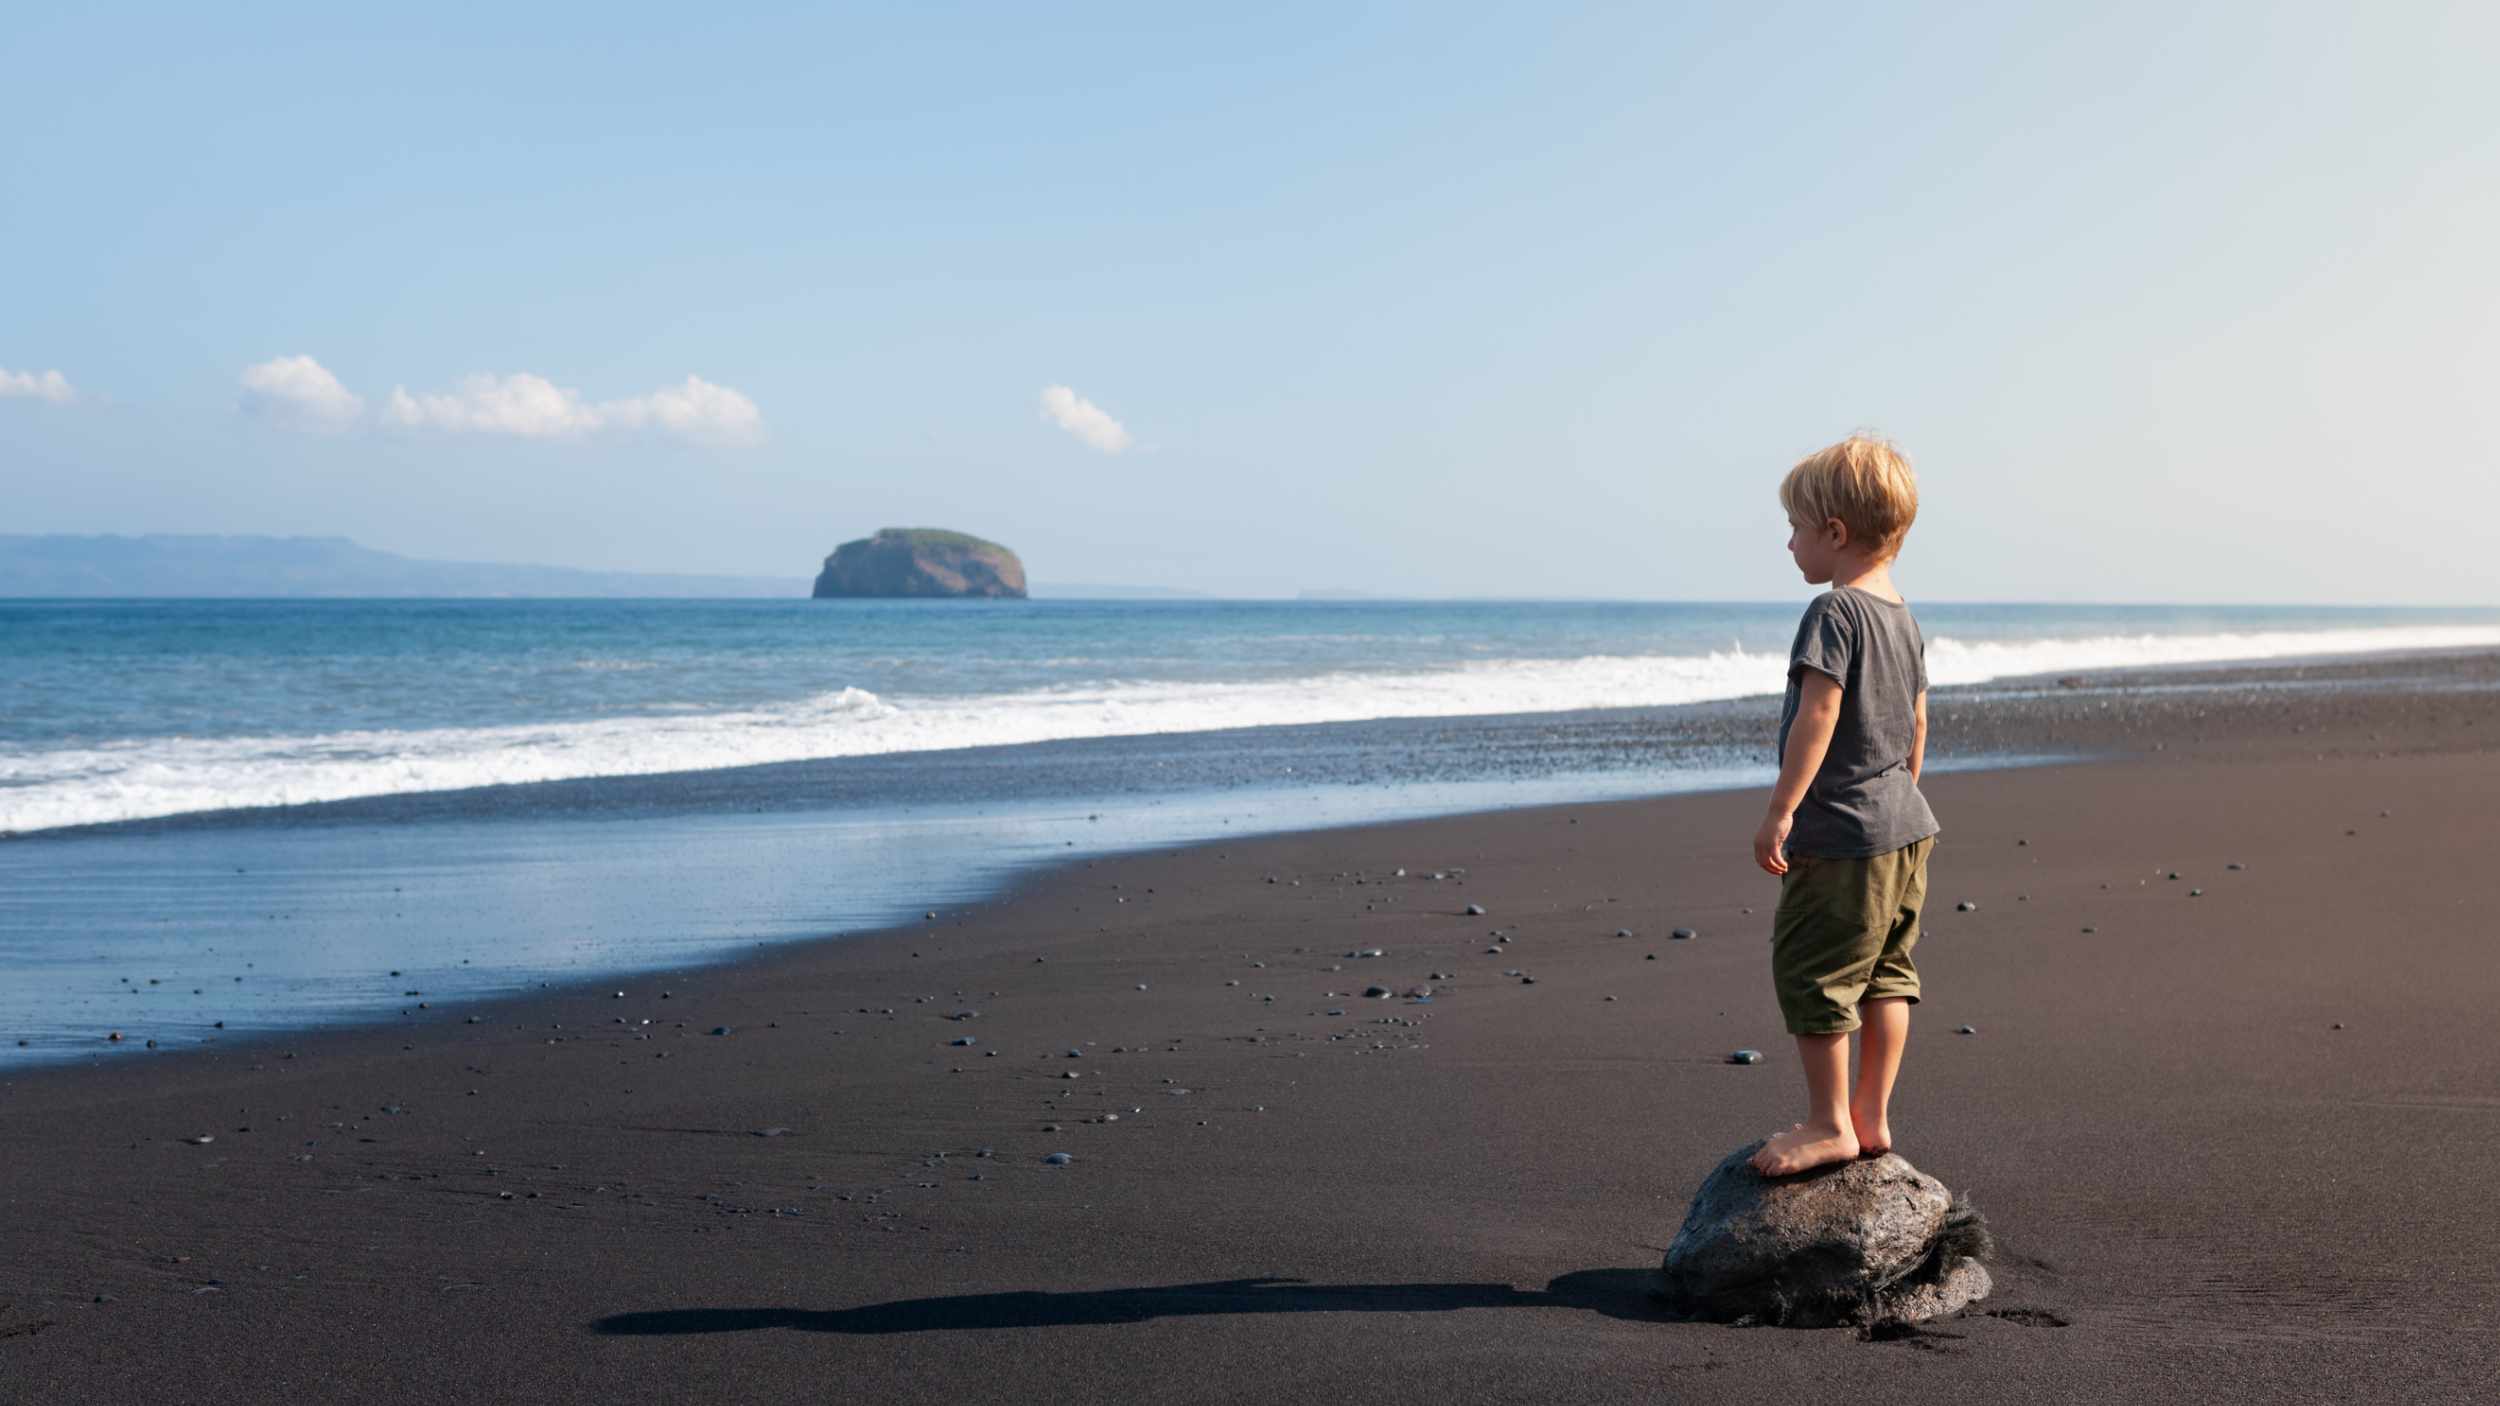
column 1486, row 1177
column 644, row 792
column 1713, row 716
column 2354, row 699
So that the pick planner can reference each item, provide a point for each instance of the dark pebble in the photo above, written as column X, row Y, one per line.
column 1375, row 993
column 2196, row 893
column 1058, row 1159
column 1745, row 1057
column 960, row 1040
column 720, row 1029
column 1965, row 906
column 1475, row 910
column 1623, row 932
column 1967, row 1030
column 1683, row 934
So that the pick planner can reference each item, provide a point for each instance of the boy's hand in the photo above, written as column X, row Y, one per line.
column 1771, row 842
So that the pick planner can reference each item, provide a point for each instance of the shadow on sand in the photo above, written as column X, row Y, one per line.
column 1617, row 1293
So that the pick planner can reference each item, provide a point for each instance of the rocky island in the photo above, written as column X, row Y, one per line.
column 921, row 561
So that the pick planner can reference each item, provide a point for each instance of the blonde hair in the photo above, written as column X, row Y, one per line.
column 1866, row 482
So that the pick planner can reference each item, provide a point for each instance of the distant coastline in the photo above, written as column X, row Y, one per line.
column 182, row 566
column 185, row 566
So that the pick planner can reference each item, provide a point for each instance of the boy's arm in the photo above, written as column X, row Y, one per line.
column 1809, row 737
column 1918, row 737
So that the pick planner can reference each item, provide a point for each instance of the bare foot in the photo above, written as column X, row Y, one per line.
column 1802, row 1148
column 1873, row 1130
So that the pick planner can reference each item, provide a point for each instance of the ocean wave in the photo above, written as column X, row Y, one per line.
column 169, row 776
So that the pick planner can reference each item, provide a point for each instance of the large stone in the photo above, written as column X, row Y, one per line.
column 921, row 561
column 1863, row 1242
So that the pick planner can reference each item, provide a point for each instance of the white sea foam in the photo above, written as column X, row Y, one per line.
column 169, row 776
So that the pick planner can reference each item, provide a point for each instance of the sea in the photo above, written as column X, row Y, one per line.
column 229, row 819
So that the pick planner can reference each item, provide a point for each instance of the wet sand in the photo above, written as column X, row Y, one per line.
column 2236, row 1142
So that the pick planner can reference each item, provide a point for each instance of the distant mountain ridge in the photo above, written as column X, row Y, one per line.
column 165, row 564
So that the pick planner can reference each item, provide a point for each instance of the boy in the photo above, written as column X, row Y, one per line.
column 1848, row 832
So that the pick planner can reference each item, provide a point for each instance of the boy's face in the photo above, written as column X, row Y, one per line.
column 1817, row 550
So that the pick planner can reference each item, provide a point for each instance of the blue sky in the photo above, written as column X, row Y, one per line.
column 2168, row 302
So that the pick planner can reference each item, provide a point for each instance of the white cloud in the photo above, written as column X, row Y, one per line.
column 299, row 391
column 39, row 385
column 534, row 407
column 1084, row 419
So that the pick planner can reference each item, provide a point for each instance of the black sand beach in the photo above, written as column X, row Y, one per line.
column 2234, row 1129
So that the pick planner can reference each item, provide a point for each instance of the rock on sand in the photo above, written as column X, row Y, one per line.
column 1863, row 1242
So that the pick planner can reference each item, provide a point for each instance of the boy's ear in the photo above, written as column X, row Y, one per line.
column 1838, row 532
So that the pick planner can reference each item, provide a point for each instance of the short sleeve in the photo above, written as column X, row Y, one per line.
column 1922, row 663
column 1827, row 640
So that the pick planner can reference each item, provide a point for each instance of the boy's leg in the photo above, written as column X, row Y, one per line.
column 1821, row 954
column 1891, row 989
column 1883, row 1032
column 1825, row 1136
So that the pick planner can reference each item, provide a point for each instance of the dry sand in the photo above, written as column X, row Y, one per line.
column 2237, row 1140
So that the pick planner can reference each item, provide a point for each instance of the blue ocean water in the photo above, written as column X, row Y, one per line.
column 119, row 710
column 310, row 841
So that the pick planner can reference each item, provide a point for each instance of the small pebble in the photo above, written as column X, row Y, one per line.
column 2196, row 893
column 1967, row 1030
column 1058, row 1159
column 1965, row 906
column 2336, row 1026
column 1745, row 1057
column 1623, row 932
column 1683, row 934
column 720, row 1029
column 1475, row 910
column 961, row 1040
column 1375, row 993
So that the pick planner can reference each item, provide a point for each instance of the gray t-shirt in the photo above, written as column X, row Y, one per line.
column 1862, row 801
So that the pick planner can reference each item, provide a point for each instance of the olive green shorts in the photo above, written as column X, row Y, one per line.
column 1843, row 934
